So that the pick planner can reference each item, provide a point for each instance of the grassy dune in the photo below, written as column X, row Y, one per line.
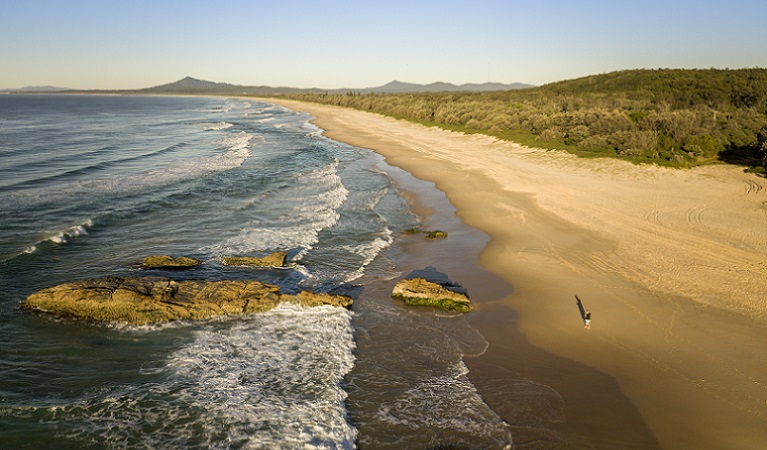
column 670, row 117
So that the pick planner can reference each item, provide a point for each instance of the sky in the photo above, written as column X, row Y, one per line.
column 331, row 44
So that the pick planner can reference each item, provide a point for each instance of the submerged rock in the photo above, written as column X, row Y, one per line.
column 276, row 259
column 167, row 262
column 436, row 234
column 150, row 300
column 417, row 291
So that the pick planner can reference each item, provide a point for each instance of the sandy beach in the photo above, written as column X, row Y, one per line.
column 671, row 263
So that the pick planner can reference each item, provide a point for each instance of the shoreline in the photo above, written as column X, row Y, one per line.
column 670, row 262
column 512, row 376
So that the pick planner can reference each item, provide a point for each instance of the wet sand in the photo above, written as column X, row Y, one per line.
column 672, row 264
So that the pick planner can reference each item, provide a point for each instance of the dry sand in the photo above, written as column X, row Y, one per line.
column 672, row 264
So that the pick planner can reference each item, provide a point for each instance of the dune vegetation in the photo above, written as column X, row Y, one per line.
column 671, row 117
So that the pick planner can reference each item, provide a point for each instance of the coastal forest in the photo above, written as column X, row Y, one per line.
column 671, row 117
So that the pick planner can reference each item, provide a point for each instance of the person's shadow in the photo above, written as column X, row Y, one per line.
column 585, row 315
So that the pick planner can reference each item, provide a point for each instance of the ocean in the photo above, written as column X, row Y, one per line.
column 90, row 185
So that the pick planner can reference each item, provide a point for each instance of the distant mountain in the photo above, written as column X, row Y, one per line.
column 194, row 86
column 494, row 86
column 189, row 84
column 36, row 89
column 398, row 87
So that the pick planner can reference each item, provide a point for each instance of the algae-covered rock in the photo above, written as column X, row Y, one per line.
column 307, row 298
column 150, row 300
column 436, row 234
column 276, row 259
column 417, row 291
column 168, row 262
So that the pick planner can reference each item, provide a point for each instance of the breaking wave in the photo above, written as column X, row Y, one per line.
column 61, row 237
column 272, row 380
column 313, row 200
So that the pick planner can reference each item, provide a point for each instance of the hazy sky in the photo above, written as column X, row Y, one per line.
column 334, row 44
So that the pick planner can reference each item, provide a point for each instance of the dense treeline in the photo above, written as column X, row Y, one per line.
column 671, row 117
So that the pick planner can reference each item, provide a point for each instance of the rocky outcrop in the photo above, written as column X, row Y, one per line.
column 276, row 259
column 417, row 291
column 150, row 300
column 168, row 262
column 436, row 234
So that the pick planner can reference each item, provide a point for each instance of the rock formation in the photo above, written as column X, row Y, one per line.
column 167, row 262
column 436, row 234
column 417, row 291
column 276, row 259
column 150, row 300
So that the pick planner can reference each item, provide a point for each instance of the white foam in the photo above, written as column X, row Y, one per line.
column 61, row 237
column 219, row 126
column 279, row 117
column 317, row 211
column 313, row 130
column 352, row 260
column 237, row 147
column 283, row 368
column 223, row 109
column 237, row 151
column 433, row 403
column 368, row 251
column 272, row 380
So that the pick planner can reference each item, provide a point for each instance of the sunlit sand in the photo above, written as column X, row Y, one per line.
column 672, row 264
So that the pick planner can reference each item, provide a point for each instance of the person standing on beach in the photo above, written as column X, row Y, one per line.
column 585, row 315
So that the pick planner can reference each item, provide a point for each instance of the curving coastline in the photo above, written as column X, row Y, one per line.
column 671, row 263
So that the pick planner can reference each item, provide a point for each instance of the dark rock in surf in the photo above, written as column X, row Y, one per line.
column 436, row 234
column 276, row 259
column 151, row 300
column 168, row 262
column 417, row 291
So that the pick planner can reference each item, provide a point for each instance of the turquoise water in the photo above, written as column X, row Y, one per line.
column 89, row 185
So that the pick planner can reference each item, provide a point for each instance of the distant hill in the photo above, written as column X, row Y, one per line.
column 37, row 89
column 189, row 85
column 398, row 87
column 193, row 85
column 679, row 88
